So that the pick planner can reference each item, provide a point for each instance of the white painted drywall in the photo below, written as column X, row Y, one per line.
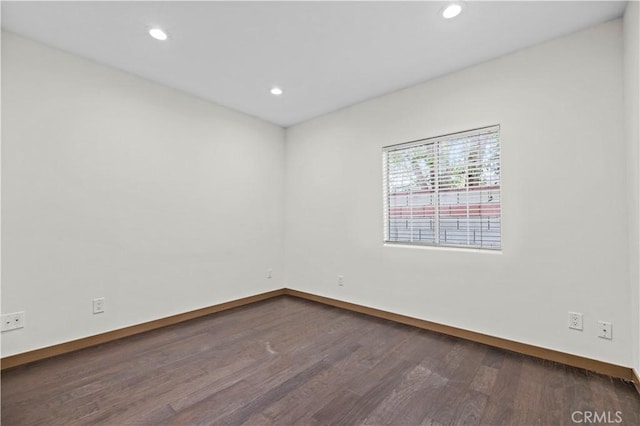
column 117, row 187
column 631, row 95
column 564, row 200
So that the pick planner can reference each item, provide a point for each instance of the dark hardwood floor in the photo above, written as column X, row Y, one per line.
column 288, row 361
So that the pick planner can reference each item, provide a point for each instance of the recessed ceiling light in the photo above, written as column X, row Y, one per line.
column 276, row 91
column 158, row 34
column 452, row 11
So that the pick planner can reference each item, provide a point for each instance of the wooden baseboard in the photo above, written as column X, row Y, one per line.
column 74, row 345
column 636, row 379
column 602, row 367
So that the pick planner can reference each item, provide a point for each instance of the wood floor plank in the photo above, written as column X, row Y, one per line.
column 276, row 393
column 500, row 406
column 84, row 366
column 403, row 405
column 288, row 361
column 527, row 402
column 460, row 370
column 368, row 402
column 408, row 349
column 628, row 399
column 484, row 379
column 606, row 402
column 298, row 405
column 561, row 391
column 470, row 408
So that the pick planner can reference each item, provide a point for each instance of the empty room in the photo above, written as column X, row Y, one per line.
column 320, row 212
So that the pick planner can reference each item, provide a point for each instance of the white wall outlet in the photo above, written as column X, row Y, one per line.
column 604, row 330
column 575, row 320
column 7, row 322
column 12, row 321
column 340, row 280
column 98, row 305
column 269, row 273
column 18, row 320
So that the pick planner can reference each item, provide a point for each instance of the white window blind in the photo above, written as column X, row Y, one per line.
column 444, row 190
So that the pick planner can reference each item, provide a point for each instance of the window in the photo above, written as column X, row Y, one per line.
column 444, row 191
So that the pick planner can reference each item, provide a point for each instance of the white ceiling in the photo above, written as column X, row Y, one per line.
column 325, row 55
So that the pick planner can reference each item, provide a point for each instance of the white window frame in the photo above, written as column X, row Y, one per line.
column 439, row 190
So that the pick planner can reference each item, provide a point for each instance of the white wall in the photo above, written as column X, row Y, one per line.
column 560, row 107
column 631, row 96
column 117, row 187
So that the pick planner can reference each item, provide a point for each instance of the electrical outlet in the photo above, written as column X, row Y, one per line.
column 7, row 322
column 575, row 320
column 12, row 321
column 340, row 280
column 604, row 330
column 98, row 305
column 18, row 320
column 269, row 273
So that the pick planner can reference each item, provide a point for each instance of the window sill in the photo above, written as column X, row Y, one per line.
column 443, row 248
